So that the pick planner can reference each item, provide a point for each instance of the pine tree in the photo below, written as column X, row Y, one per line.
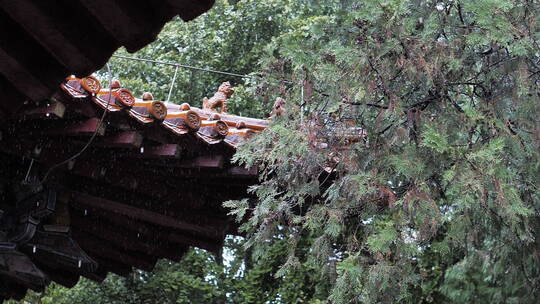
column 426, row 115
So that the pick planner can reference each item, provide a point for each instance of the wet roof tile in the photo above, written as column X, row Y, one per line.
column 208, row 126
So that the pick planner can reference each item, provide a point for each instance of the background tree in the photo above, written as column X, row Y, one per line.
column 406, row 169
column 231, row 37
column 439, row 201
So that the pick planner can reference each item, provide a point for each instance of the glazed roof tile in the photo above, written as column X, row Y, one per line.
column 206, row 125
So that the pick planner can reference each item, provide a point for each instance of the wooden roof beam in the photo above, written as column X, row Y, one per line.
column 163, row 183
column 203, row 161
column 23, row 61
column 210, row 161
column 127, row 21
column 144, row 215
column 139, row 191
column 20, row 77
column 108, row 250
column 122, row 139
column 37, row 22
column 126, row 239
column 158, row 234
column 160, row 151
column 158, row 134
column 76, row 106
column 51, row 110
column 80, row 128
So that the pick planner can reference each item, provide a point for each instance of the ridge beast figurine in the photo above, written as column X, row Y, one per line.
column 278, row 108
column 219, row 100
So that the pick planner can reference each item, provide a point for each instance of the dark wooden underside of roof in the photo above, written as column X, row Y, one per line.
column 137, row 194
column 124, row 208
column 44, row 41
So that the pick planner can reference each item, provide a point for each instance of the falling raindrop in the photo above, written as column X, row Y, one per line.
column 34, row 249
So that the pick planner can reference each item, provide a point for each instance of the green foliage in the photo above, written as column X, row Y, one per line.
column 440, row 201
column 230, row 37
column 184, row 282
column 201, row 278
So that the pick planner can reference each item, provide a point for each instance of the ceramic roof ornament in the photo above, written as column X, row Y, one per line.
column 278, row 108
column 219, row 100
